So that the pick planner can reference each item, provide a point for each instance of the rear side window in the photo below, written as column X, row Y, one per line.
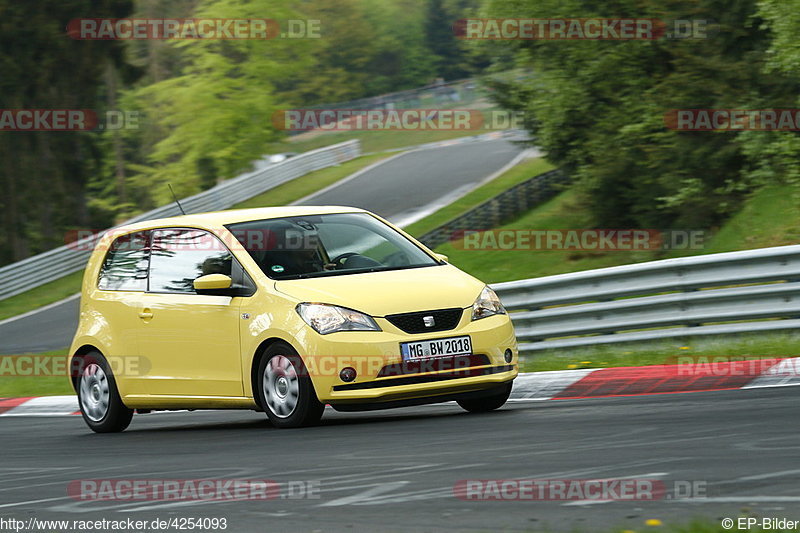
column 125, row 266
column 179, row 256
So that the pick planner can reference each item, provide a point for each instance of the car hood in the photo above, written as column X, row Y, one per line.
column 389, row 292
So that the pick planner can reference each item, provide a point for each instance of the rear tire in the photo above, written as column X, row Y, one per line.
column 494, row 400
column 284, row 389
column 98, row 396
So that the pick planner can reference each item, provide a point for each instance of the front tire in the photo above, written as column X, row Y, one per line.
column 285, row 390
column 490, row 402
column 98, row 396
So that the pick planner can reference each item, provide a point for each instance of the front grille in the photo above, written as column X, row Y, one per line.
column 444, row 319
column 457, row 362
column 430, row 378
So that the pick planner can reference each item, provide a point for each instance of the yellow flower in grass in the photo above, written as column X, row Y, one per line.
column 571, row 366
column 653, row 522
column 684, row 348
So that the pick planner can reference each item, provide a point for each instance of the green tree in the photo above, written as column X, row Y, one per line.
column 774, row 155
column 44, row 175
column 217, row 112
column 442, row 42
column 597, row 108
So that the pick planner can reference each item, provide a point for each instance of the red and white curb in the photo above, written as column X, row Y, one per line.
column 562, row 384
column 42, row 406
column 657, row 379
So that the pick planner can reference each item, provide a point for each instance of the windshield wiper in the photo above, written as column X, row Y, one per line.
column 366, row 270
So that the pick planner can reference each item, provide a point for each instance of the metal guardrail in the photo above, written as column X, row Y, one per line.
column 503, row 207
column 45, row 267
column 715, row 294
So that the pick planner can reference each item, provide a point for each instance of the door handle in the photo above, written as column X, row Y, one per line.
column 146, row 314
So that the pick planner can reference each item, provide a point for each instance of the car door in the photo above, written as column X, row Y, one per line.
column 113, row 307
column 191, row 340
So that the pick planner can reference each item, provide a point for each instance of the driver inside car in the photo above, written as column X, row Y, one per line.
column 296, row 251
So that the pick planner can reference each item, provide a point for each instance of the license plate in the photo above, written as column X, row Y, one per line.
column 412, row 351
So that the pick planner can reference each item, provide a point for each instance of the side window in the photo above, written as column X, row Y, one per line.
column 179, row 256
column 125, row 266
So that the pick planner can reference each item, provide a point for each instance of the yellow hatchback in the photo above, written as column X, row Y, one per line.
column 282, row 310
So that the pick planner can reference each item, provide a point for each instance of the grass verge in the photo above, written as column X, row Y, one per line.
column 40, row 296
column 561, row 212
column 665, row 352
column 20, row 386
column 768, row 218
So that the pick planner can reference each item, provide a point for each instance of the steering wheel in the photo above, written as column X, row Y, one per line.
column 338, row 259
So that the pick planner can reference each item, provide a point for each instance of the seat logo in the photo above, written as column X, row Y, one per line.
column 428, row 321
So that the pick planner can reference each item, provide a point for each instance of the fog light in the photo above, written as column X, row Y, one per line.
column 347, row 374
column 509, row 355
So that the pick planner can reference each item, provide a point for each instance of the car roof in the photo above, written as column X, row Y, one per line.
column 217, row 219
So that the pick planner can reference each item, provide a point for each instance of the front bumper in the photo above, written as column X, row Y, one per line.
column 372, row 353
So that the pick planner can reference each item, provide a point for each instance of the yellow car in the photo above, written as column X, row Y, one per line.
column 282, row 310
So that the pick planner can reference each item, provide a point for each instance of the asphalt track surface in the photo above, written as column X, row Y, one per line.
column 400, row 188
column 395, row 470
column 418, row 180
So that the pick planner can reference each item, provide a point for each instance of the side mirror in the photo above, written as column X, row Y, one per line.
column 442, row 257
column 212, row 283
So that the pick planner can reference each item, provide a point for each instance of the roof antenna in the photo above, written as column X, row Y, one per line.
column 176, row 198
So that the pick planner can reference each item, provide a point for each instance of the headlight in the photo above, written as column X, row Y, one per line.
column 329, row 318
column 487, row 304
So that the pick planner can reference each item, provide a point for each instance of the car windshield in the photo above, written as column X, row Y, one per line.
column 327, row 245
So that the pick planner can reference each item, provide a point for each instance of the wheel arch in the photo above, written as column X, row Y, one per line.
column 83, row 350
column 259, row 354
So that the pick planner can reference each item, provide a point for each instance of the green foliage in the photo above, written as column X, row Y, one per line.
column 597, row 108
column 218, row 110
column 442, row 41
column 205, row 106
column 43, row 174
column 774, row 154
